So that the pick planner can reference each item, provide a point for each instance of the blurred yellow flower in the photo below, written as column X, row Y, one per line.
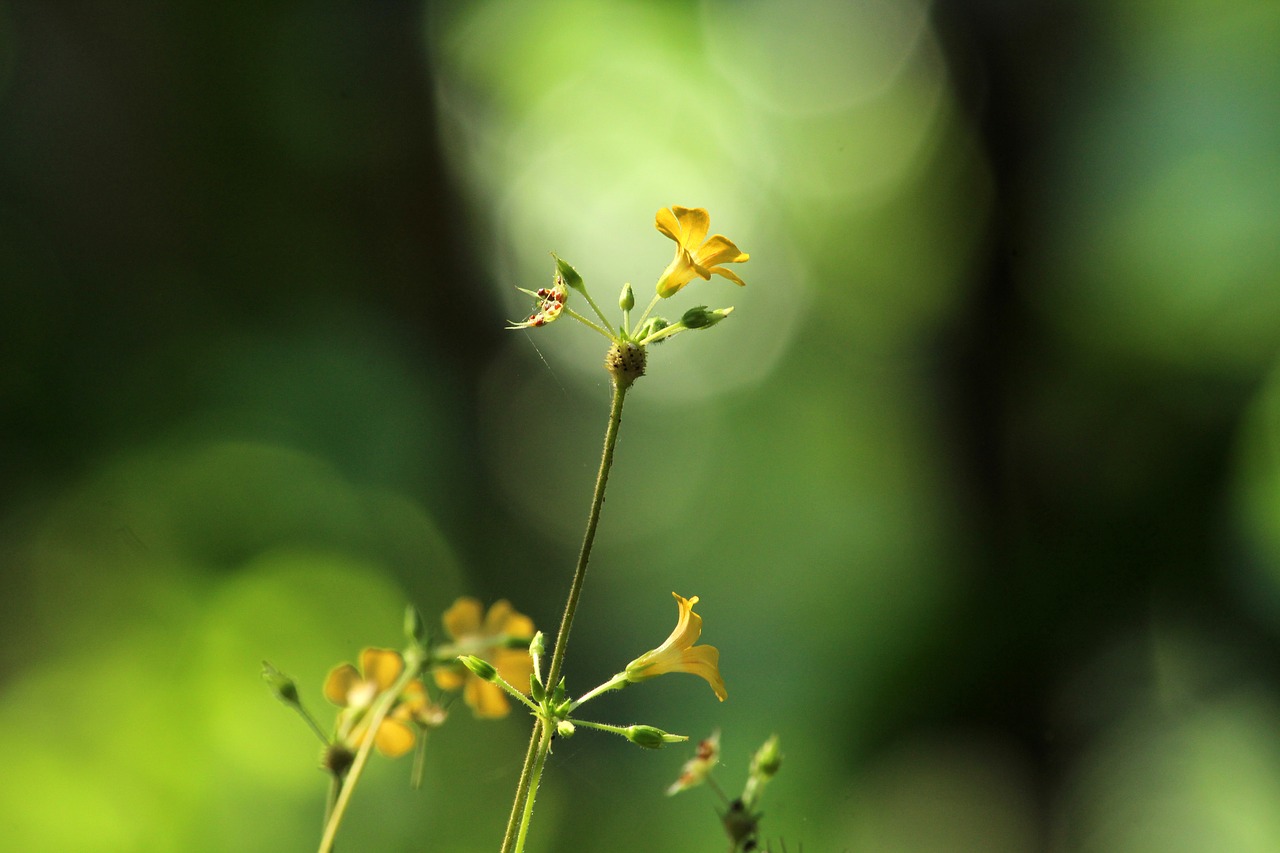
column 487, row 639
column 356, row 690
column 679, row 654
column 688, row 226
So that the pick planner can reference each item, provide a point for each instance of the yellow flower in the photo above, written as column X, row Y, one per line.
column 679, row 654
column 487, row 640
column 688, row 226
column 355, row 692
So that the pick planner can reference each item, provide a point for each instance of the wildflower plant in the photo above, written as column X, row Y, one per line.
column 741, row 816
column 496, row 659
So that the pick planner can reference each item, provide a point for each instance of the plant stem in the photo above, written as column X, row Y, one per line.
column 544, row 749
column 653, row 303
column 540, row 740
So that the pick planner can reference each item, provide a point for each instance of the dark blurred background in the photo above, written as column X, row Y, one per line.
column 980, row 485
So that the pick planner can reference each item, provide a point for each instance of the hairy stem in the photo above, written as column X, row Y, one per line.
column 540, row 740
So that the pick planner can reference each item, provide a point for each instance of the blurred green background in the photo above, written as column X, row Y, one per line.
column 980, row 485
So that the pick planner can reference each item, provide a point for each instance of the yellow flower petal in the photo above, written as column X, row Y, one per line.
column 515, row 666
column 486, row 700
column 719, row 250
column 449, row 678
column 704, row 662
column 518, row 625
column 694, row 224
column 338, row 685
column 496, row 619
column 463, row 617
column 381, row 666
column 666, row 222
column 729, row 275
column 394, row 738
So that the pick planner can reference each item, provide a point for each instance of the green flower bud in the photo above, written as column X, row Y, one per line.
column 282, row 685
column 627, row 300
column 538, row 645
column 415, row 630
column 651, row 738
column 651, row 327
column 564, row 728
column 702, row 318
column 568, row 273
column 481, row 667
column 767, row 760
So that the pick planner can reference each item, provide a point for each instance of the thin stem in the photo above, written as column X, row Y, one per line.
column 616, row 683
column 665, row 332
column 595, row 307
column 544, row 749
column 335, row 785
column 601, row 727
column 575, row 315
column 653, row 303
column 311, row 721
column 522, row 788
column 589, row 537
column 540, row 741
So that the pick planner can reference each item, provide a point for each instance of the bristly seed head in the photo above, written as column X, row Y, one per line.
column 625, row 362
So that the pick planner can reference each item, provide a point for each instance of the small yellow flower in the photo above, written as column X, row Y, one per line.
column 679, row 654
column 486, row 638
column 356, row 690
column 688, row 226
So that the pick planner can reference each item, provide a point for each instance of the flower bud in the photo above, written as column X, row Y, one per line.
column 564, row 728
column 651, row 327
column 282, row 685
column 567, row 273
column 767, row 760
column 415, row 630
column 627, row 300
column 481, row 667
column 651, row 738
column 701, row 317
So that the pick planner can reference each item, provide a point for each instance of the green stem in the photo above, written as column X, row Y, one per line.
column 575, row 315
column 616, row 683
column 653, row 303
column 544, row 749
column 596, row 308
column 540, row 740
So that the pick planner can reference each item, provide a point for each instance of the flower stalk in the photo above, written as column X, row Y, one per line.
column 696, row 256
column 540, row 741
